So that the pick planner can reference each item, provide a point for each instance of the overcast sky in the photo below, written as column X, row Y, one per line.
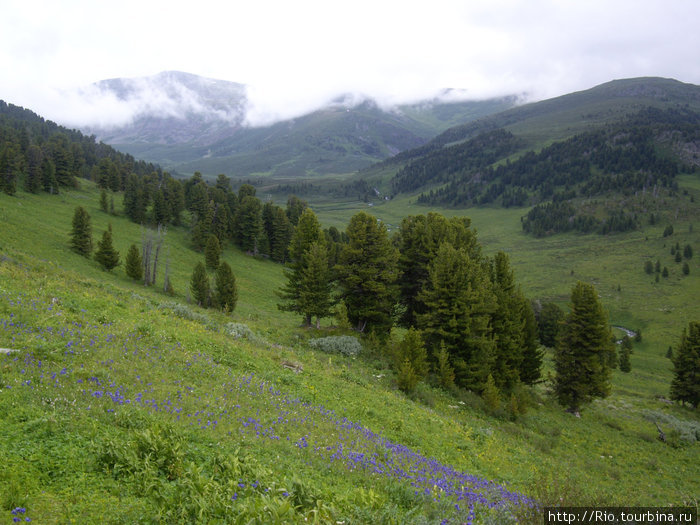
column 294, row 54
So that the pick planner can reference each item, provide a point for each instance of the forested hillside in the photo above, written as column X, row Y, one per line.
column 47, row 157
column 574, row 158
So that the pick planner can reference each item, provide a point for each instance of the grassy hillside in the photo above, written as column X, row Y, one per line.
column 124, row 405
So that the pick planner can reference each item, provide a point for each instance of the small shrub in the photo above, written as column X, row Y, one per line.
column 342, row 344
column 185, row 312
column 241, row 331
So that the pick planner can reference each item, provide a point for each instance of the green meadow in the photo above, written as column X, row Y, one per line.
column 122, row 404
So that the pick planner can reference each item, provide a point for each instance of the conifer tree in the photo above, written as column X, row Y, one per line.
column 134, row 265
column 367, row 274
column 212, row 252
column 549, row 323
column 106, row 255
column 508, row 325
column 81, row 234
column 459, row 303
column 104, row 204
column 406, row 376
column 199, row 285
column 625, row 352
column 307, row 233
column 444, row 372
column 582, row 357
column 315, row 285
column 249, row 223
column 412, row 349
column 226, row 290
column 685, row 385
column 532, row 355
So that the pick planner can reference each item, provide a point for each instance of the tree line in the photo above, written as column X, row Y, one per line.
column 621, row 157
column 45, row 157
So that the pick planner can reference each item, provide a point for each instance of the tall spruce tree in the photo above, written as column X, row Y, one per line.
column 226, row 295
column 531, row 364
column 459, row 303
column 508, row 325
column 307, row 233
column 367, row 274
column 685, row 385
column 81, row 234
column 212, row 252
column 249, row 223
column 199, row 285
column 106, row 255
column 625, row 352
column 134, row 265
column 315, row 285
column 583, row 354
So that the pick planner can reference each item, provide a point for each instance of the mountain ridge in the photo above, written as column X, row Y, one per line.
column 189, row 123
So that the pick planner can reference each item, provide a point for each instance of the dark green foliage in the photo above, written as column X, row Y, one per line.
column 277, row 231
column 664, row 273
column 649, row 267
column 106, row 255
column 50, row 155
column 625, row 352
column 9, row 160
column 226, row 293
column 444, row 372
column 561, row 216
column 669, row 353
column 406, row 376
column 668, row 231
column 685, row 386
column 459, row 304
column 532, row 354
column 35, row 160
column 455, row 161
column 134, row 264
column 678, row 258
column 307, row 233
column 315, row 284
column 249, row 223
column 212, row 252
column 295, row 207
column 507, row 323
column 548, row 324
column 688, row 251
column 686, row 268
column 81, row 234
column 199, row 285
column 491, row 395
column 620, row 157
column 418, row 241
column 104, row 204
column 411, row 350
column 583, row 354
column 367, row 274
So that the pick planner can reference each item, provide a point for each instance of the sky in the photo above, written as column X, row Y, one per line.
column 295, row 55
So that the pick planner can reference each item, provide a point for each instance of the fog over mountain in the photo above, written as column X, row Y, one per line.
column 176, row 119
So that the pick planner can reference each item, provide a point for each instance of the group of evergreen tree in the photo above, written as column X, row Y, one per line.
column 685, row 386
column 562, row 216
column 239, row 217
column 621, row 157
column 468, row 318
column 224, row 294
column 43, row 156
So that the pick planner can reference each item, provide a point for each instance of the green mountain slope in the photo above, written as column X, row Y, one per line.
column 339, row 139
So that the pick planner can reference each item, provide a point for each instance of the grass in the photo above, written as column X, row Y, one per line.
column 205, row 408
